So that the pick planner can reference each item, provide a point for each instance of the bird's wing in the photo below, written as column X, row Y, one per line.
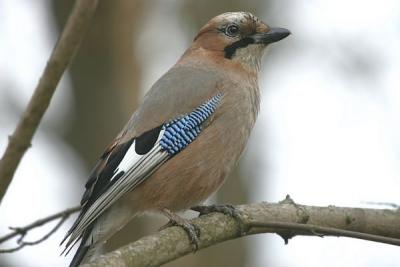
column 178, row 92
column 125, row 165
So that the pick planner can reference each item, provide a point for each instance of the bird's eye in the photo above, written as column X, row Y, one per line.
column 232, row 30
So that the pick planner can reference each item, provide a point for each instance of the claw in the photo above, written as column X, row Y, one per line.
column 224, row 209
column 192, row 230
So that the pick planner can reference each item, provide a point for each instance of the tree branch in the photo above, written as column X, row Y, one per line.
column 286, row 219
column 325, row 231
column 61, row 56
column 22, row 231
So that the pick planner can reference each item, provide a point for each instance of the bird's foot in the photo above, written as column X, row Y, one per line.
column 192, row 230
column 224, row 209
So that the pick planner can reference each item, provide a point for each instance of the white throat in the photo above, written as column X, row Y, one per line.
column 250, row 57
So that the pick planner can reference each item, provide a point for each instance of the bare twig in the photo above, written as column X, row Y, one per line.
column 325, row 231
column 387, row 204
column 287, row 219
column 22, row 231
column 61, row 56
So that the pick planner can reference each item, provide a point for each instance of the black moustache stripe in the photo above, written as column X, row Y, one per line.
column 231, row 49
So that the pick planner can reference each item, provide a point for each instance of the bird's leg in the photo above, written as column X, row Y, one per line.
column 224, row 209
column 192, row 230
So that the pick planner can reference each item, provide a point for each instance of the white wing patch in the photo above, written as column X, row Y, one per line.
column 128, row 161
column 136, row 168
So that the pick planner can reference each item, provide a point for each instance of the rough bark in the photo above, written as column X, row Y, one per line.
column 286, row 218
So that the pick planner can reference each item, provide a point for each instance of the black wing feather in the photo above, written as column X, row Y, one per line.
column 98, row 181
column 145, row 142
column 100, row 178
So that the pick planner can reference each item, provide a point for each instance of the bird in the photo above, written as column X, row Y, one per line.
column 184, row 138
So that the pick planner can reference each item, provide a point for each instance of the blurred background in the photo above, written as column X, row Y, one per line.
column 328, row 131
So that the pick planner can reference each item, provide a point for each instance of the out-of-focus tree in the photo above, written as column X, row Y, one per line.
column 105, row 76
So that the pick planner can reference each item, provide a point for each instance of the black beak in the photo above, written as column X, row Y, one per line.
column 272, row 36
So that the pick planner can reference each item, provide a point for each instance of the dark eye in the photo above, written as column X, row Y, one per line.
column 232, row 30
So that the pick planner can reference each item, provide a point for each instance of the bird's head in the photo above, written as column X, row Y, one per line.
column 238, row 36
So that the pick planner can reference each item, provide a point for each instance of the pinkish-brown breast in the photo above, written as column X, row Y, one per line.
column 199, row 170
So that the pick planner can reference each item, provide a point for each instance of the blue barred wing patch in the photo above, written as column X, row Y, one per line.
column 180, row 132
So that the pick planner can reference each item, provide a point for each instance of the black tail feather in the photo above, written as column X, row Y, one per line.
column 82, row 249
column 79, row 255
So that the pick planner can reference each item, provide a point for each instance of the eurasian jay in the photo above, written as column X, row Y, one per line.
column 185, row 137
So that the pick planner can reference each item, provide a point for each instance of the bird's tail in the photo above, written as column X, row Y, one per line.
column 79, row 255
column 93, row 238
column 86, row 250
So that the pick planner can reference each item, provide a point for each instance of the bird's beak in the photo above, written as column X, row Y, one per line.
column 272, row 36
